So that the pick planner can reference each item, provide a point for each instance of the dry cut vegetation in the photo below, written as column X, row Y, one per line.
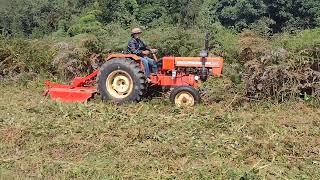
column 278, row 72
column 150, row 140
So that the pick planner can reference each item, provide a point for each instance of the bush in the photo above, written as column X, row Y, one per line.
column 19, row 56
column 87, row 24
column 281, row 68
column 174, row 41
column 115, row 38
column 224, row 42
column 302, row 40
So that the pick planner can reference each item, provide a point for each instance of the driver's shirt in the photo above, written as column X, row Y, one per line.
column 136, row 46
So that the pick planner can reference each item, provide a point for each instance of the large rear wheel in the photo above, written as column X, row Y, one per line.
column 121, row 81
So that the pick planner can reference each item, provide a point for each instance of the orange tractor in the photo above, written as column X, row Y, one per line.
column 121, row 79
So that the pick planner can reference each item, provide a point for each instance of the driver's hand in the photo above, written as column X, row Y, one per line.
column 146, row 52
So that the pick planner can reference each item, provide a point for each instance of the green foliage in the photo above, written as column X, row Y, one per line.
column 238, row 14
column 149, row 13
column 293, row 14
column 223, row 42
column 122, row 11
column 19, row 56
column 37, row 18
column 116, row 38
column 176, row 41
column 87, row 24
column 262, row 15
column 88, row 41
column 302, row 40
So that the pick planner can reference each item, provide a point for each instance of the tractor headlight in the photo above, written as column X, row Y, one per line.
column 203, row 53
column 197, row 78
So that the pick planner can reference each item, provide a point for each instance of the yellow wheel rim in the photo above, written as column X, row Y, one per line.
column 119, row 84
column 184, row 99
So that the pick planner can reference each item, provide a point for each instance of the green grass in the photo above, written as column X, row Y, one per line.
column 154, row 140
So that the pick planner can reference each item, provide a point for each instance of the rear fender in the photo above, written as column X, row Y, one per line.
column 126, row 56
column 130, row 56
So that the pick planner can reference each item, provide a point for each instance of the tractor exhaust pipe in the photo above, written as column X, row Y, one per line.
column 204, row 54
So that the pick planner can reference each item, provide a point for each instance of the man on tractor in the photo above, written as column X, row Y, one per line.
column 138, row 47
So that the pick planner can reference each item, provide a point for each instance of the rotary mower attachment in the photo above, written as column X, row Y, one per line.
column 80, row 90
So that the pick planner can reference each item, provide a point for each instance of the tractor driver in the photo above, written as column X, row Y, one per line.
column 138, row 47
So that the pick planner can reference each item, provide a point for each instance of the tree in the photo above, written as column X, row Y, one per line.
column 276, row 16
column 41, row 17
column 293, row 14
column 122, row 11
column 38, row 17
column 87, row 24
column 237, row 14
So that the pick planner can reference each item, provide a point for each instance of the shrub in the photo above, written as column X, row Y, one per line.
column 19, row 56
column 87, row 24
column 174, row 41
column 302, row 40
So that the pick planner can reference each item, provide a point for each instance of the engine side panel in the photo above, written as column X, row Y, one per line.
column 214, row 63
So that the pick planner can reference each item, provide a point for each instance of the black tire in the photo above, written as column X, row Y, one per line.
column 186, row 90
column 134, row 74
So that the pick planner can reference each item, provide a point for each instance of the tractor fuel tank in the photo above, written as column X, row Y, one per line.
column 168, row 63
column 214, row 63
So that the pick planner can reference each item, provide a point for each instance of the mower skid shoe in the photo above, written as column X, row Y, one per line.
column 69, row 94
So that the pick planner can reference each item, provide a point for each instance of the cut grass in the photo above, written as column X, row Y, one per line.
column 153, row 140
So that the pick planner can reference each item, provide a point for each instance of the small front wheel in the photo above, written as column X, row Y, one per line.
column 185, row 96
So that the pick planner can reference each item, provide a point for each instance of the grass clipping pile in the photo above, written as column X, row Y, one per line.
column 278, row 73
